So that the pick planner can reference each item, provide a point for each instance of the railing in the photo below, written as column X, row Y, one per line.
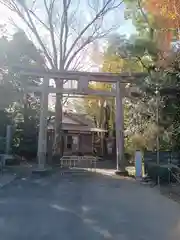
column 79, row 162
column 168, row 168
column 3, row 160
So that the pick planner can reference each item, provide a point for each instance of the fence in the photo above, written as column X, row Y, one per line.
column 79, row 162
column 2, row 145
column 167, row 168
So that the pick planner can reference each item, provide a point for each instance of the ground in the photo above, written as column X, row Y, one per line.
column 85, row 206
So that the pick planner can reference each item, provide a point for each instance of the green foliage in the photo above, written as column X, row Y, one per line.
column 162, row 74
column 4, row 121
column 139, row 113
column 18, row 51
column 144, row 22
column 22, row 110
column 141, row 129
column 25, row 139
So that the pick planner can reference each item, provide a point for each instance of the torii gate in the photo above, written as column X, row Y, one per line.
column 83, row 79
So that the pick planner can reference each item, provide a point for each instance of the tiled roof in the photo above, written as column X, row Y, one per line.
column 80, row 118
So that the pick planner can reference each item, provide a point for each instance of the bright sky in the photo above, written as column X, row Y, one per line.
column 126, row 26
column 117, row 17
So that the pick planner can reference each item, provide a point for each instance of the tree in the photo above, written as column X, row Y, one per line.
column 149, row 17
column 8, row 94
column 162, row 73
column 166, row 14
column 143, row 21
column 19, row 50
column 115, row 60
column 129, row 56
column 138, row 54
column 61, row 34
column 165, row 10
column 22, row 109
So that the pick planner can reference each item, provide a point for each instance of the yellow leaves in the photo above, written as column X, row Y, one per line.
column 167, row 12
column 96, row 101
column 163, row 10
column 113, row 64
column 100, row 86
column 91, row 102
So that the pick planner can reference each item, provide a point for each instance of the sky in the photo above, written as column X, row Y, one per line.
column 116, row 17
column 126, row 26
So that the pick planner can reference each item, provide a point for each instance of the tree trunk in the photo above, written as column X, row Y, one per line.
column 101, row 121
column 25, row 112
column 106, row 127
column 58, row 141
column 114, row 140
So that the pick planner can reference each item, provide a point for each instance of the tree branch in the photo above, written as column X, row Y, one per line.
column 145, row 18
column 140, row 60
column 29, row 22
column 64, row 32
column 30, row 18
column 34, row 30
column 142, row 12
column 61, row 42
column 102, row 12
column 65, row 101
column 49, row 12
column 89, row 40
column 66, row 27
column 76, row 52
column 39, row 20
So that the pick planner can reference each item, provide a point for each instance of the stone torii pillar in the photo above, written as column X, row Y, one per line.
column 119, row 129
column 42, row 139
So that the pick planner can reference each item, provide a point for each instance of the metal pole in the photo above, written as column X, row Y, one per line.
column 157, row 137
column 42, row 139
column 119, row 129
column 8, row 138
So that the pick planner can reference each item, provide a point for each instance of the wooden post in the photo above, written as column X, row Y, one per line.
column 79, row 143
column 119, row 129
column 42, row 140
